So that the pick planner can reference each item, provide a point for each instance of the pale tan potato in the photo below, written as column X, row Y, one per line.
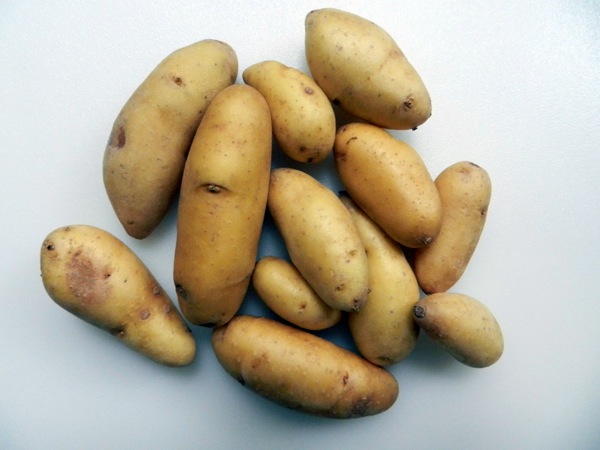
column 463, row 326
column 302, row 371
column 150, row 138
column 361, row 68
column 389, row 181
column 384, row 330
column 303, row 118
column 95, row 276
column 222, row 206
column 283, row 289
column 465, row 191
column 321, row 238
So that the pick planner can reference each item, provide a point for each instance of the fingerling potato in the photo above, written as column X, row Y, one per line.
column 150, row 138
column 222, row 206
column 302, row 371
column 96, row 277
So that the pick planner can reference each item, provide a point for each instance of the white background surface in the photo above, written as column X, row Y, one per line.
column 515, row 88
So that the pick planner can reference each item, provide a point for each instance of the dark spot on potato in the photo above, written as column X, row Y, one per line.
column 302, row 149
column 167, row 309
column 241, row 380
column 310, row 159
column 361, row 406
column 144, row 314
column 49, row 247
column 130, row 222
column 345, row 378
column 118, row 139
column 107, row 275
column 178, row 81
column 180, row 291
column 414, row 128
column 408, row 103
column 339, row 287
column 303, row 306
column 427, row 240
column 419, row 311
column 118, row 332
column 156, row 290
column 336, row 101
column 309, row 90
column 86, row 281
column 351, row 139
column 213, row 188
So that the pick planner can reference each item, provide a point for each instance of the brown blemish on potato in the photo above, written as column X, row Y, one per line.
column 118, row 332
column 213, row 188
column 181, row 291
column 361, row 406
column 156, row 290
column 178, row 80
column 49, row 247
column 167, row 309
column 145, row 314
column 85, row 280
column 418, row 311
column 309, row 90
column 408, row 103
column 345, row 378
column 118, row 138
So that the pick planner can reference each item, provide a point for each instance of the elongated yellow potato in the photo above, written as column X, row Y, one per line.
column 463, row 326
column 361, row 68
column 302, row 371
column 384, row 330
column 303, row 118
column 222, row 206
column 389, row 181
column 150, row 138
column 320, row 237
column 283, row 289
column 465, row 191
column 93, row 275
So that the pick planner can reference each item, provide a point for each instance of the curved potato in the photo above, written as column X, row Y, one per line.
column 320, row 237
column 150, row 138
column 384, row 330
column 361, row 68
column 389, row 181
column 222, row 206
column 463, row 326
column 465, row 191
column 302, row 371
column 303, row 118
column 283, row 289
column 93, row 275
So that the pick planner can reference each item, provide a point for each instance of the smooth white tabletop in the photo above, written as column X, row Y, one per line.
column 515, row 88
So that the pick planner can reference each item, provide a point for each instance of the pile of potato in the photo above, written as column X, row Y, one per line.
column 190, row 130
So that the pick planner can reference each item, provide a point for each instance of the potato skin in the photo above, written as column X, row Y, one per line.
column 390, row 182
column 302, row 371
column 384, row 330
column 150, row 138
column 303, row 118
column 463, row 326
column 283, row 289
column 320, row 237
column 222, row 206
column 465, row 191
column 361, row 68
column 93, row 275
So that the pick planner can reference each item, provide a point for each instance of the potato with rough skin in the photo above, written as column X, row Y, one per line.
column 384, row 330
column 222, row 206
column 320, row 237
column 361, row 68
column 303, row 118
column 465, row 191
column 150, row 138
column 283, row 289
column 302, row 371
column 93, row 275
column 390, row 182
column 463, row 326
